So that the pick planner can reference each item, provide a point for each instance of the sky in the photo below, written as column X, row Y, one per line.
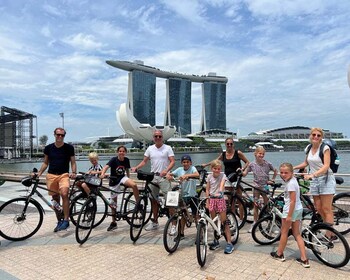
column 286, row 61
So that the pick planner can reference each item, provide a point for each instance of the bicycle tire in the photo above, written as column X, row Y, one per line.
column 85, row 221
column 234, row 228
column 129, row 206
column 334, row 254
column 341, row 212
column 241, row 217
column 201, row 243
column 77, row 203
column 16, row 225
column 138, row 218
column 267, row 231
column 171, row 242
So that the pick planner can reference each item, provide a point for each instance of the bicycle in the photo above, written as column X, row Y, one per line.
column 177, row 221
column 22, row 217
column 143, row 209
column 90, row 217
column 332, row 253
column 202, row 230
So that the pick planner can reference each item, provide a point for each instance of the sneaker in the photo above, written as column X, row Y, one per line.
column 152, row 226
column 172, row 230
column 64, row 225
column 251, row 228
column 57, row 226
column 214, row 245
column 303, row 263
column 277, row 257
column 229, row 248
column 112, row 226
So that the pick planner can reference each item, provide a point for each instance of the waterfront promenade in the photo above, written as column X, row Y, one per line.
column 108, row 255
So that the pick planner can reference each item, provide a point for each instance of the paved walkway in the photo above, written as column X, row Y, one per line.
column 108, row 255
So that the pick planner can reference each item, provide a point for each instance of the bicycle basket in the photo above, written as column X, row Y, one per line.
column 145, row 176
column 92, row 180
column 27, row 181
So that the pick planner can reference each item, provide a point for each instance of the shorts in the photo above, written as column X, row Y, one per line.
column 297, row 215
column 116, row 189
column 217, row 204
column 323, row 185
column 193, row 202
column 164, row 186
column 55, row 183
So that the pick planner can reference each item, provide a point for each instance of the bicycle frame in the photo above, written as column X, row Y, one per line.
column 215, row 223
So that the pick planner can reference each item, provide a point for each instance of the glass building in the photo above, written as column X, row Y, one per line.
column 214, row 106
column 178, row 105
column 143, row 102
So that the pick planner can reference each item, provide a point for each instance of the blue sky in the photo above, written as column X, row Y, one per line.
column 286, row 61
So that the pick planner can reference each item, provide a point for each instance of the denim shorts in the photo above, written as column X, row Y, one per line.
column 323, row 185
column 297, row 215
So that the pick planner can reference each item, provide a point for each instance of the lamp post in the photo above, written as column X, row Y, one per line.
column 62, row 116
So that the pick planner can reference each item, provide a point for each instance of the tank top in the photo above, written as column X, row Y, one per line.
column 231, row 165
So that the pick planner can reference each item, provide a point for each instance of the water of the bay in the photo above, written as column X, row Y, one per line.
column 276, row 158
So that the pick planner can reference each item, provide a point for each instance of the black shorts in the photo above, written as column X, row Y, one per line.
column 193, row 202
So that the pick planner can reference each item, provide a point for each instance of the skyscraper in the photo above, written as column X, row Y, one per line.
column 178, row 104
column 214, row 106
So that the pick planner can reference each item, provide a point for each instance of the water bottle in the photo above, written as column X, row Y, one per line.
column 267, row 188
column 56, row 206
column 337, row 160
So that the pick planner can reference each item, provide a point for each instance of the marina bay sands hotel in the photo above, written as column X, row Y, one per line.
column 141, row 100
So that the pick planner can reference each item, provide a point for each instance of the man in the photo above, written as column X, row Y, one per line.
column 57, row 157
column 162, row 161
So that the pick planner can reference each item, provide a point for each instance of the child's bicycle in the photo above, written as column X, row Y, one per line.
column 327, row 244
column 176, row 223
column 218, row 228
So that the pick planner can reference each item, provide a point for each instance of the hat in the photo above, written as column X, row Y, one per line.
column 186, row 157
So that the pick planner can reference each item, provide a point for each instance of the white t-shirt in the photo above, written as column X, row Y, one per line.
column 315, row 161
column 214, row 183
column 291, row 186
column 159, row 157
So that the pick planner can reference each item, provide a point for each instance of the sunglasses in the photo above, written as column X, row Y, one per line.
column 60, row 135
column 158, row 136
column 316, row 135
column 229, row 144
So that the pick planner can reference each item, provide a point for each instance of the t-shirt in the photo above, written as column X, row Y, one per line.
column 291, row 186
column 315, row 161
column 260, row 172
column 231, row 165
column 97, row 167
column 214, row 183
column 59, row 158
column 159, row 157
column 118, row 169
column 188, row 188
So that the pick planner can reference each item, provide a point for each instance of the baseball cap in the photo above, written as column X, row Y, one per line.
column 186, row 157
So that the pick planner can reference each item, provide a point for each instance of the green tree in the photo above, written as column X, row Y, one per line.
column 43, row 140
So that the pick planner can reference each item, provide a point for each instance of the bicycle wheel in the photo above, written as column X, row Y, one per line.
column 341, row 212
column 267, row 230
column 171, row 240
column 332, row 253
column 138, row 218
column 201, row 243
column 85, row 221
column 129, row 206
column 78, row 202
column 239, row 208
column 20, row 220
column 234, row 229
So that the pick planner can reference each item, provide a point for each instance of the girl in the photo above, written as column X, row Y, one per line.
column 292, row 215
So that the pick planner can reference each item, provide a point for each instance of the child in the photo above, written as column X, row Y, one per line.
column 95, row 169
column 216, row 203
column 119, row 165
column 188, row 188
column 260, row 169
column 292, row 215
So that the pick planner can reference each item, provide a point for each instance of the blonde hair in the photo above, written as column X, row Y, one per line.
column 259, row 149
column 287, row 165
column 316, row 129
column 215, row 163
column 93, row 155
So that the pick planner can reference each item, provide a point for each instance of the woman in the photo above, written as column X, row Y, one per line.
column 231, row 159
column 322, row 186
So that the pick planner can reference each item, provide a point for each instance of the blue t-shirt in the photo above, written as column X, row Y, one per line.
column 188, row 187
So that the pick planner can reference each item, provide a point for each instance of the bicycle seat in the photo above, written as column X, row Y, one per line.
column 27, row 181
column 339, row 180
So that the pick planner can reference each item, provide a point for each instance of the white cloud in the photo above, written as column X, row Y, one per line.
column 82, row 41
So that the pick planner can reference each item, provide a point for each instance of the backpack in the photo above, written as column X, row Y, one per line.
column 334, row 163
